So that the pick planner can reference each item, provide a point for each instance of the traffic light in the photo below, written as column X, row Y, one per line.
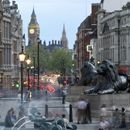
column 17, row 85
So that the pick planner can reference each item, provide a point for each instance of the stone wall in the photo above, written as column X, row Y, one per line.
column 119, row 100
column 96, row 100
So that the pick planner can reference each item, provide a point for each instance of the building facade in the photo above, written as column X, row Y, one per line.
column 114, row 36
column 10, row 42
column 86, row 31
column 113, row 5
column 17, row 40
column 1, row 45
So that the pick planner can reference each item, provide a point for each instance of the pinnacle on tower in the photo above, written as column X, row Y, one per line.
column 64, row 39
column 33, row 18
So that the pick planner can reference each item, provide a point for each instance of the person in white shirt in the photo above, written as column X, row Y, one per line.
column 66, row 121
column 103, row 111
column 104, row 124
column 81, row 110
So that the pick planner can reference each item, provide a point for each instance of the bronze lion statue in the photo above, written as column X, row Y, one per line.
column 108, row 80
column 88, row 74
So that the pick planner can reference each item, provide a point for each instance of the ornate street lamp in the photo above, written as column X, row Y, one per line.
column 28, row 61
column 22, row 59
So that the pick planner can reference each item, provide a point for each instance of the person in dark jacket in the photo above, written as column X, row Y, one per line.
column 88, row 112
column 123, row 118
column 8, row 119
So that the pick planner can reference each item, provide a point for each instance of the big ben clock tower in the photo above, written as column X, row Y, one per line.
column 33, row 30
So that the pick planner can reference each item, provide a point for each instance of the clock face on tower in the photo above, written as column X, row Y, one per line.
column 31, row 31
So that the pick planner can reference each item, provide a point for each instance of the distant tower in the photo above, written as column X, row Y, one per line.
column 64, row 40
column 33, row 30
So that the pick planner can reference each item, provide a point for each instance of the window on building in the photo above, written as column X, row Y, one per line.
column 1, row 58
column 123, row 53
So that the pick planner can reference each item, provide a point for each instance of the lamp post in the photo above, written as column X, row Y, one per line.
column 33, row 70
column 21, row 59
column 28, row 61
column 38, row 65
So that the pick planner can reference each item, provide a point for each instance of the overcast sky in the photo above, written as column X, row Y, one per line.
column 118, row 4
column 52, row 14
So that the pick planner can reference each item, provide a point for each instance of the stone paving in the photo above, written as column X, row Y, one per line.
column 55, row 108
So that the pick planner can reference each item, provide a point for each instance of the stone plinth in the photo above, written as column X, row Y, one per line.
column 119, row 100
column 96, row 100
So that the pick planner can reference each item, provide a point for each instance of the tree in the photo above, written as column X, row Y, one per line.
column 43, row 56
column 59, row 60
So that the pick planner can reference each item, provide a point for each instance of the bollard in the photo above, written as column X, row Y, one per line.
column 46, row 111
column 63, row 99
column 70, row 113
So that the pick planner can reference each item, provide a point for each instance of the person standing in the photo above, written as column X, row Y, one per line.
column 64, row 93
column 123, row 120
column 88, row 113
column 13, row 117
column 81, row 110
column 8, row 118
column 66, row 121
column 116, row 118
column 103, row 111
column 104, row 124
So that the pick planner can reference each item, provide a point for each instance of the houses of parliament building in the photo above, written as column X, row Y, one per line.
column 34, row 33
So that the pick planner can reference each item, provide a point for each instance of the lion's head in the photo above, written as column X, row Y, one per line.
column 88, row 73
column 108, row 69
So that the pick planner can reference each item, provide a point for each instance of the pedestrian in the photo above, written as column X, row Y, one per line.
column 64, row 93
column 104, row 124
column 14, row 117
column 103, row 111
column 116, row 118
column 81, row 110
column 123, row 118
column 67, row 125
column 76, row 80
column 88, row 113
column 64, row 82
column 8, row 119
column 66, row 121
column 59, row 80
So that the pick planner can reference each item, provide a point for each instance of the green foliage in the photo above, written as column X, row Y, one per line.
column 59, row 60
column 43, row 56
